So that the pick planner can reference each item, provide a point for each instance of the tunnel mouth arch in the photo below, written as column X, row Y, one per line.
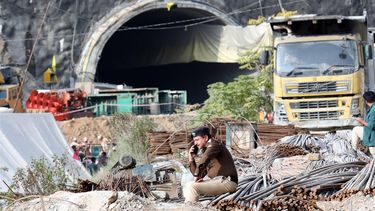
column 135, row 15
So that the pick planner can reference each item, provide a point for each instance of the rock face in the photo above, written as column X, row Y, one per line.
column 31, row 32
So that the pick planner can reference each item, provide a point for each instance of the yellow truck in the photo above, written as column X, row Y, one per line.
column 320, row 70
column 8, row 92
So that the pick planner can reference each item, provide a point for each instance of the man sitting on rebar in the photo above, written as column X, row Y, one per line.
column 215, row 161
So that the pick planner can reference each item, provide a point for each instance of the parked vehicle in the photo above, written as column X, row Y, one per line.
column 321, row 70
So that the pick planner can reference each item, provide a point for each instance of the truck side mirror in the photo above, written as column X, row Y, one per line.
column 367, row 51
column 264, row 57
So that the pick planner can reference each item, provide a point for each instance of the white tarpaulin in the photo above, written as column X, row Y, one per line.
column 24, row 137
column 205, row 43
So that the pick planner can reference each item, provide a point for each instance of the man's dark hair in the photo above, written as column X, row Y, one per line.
column 369, row 96
column 201, row 131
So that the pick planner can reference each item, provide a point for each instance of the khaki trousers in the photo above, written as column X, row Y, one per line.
column 357, row 135
column 210, row 187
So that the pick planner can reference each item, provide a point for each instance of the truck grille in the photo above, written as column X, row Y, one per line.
column 314, row 104
column 318, row 87
column 322, row 115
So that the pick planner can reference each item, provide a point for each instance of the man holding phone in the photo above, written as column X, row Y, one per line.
column 215, row 161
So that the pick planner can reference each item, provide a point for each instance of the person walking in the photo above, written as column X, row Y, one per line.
column 366, row 132
column 215, row 161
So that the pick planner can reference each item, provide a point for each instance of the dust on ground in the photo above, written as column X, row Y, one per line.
column 98, row 201
column 358, row 202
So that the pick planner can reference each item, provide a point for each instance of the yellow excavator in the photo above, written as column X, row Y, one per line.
column 9, row 91
column 49, row 75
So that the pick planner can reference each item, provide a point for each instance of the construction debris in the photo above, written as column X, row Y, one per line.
column 122, row 181
column 159, row 143
column 297, row 172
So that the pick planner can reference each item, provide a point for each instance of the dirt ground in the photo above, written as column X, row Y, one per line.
column 86, row 127
column 100, row 126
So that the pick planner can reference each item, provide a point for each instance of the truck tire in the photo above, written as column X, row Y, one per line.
column 127, row 161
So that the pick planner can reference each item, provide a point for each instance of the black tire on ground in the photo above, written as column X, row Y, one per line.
column 127, row 161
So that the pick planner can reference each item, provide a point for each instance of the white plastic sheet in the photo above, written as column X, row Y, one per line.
column 24, row 137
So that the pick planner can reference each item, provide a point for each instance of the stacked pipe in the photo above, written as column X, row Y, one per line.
column 59, row 103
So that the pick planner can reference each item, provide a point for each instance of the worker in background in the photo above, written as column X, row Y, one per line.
column 366, row 132
column 104, row 145
column 87, row 148
column 102, row 159
column 92, row 166
column 75, row 152
column 215, row 161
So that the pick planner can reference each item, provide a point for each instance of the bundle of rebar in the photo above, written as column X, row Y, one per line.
column 245, row 186
column 286, row 202
column 364, row 181
column 260, row 192
column 244, row 167
column 305, row 141
column 333, row 148
column 279, row 151
column 339, row 149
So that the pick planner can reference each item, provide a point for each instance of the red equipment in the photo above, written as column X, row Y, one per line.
column 60, row 103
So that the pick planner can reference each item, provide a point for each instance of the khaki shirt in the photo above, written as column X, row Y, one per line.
column 216, row 160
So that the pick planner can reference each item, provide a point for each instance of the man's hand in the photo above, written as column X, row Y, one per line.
column 191, row 154
column 198, row 179
column 361, row 121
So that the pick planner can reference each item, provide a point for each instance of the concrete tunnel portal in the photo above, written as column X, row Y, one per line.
column 118, row 64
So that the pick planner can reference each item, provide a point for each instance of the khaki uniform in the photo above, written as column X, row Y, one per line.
column 217, row 163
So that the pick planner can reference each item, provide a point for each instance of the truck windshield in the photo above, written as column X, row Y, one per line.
column 316, row 58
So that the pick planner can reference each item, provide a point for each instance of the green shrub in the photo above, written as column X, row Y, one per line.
column 42, row 177
column 130, row 133
column 245, row 97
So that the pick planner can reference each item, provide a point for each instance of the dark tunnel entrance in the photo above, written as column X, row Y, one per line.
column 115, row 62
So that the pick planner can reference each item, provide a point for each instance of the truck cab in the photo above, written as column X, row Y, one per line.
column 320, row 69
